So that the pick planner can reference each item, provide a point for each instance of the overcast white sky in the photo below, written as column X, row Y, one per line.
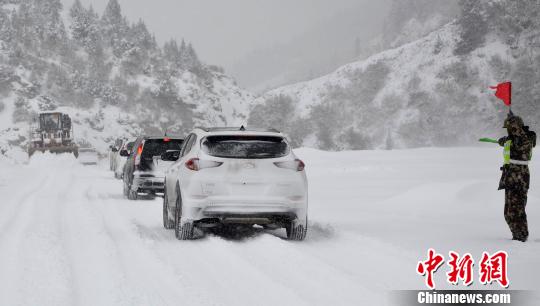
column 224, row 30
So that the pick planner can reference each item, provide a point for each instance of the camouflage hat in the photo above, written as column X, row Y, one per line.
column 513, row 121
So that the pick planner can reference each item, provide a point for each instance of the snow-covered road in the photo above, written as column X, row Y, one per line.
column 67, row 236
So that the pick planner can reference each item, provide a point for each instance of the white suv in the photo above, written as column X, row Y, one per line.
column 235, row 176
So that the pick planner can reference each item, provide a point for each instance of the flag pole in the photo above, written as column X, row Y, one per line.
column 510, row 99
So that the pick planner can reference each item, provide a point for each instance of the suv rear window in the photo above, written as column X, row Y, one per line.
column 246, row 147
column 156, row 147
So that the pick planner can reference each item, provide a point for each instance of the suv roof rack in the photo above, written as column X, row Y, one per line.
column 242, row 128
column 151, row 136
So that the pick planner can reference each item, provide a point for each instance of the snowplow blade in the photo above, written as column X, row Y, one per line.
column 55, row 150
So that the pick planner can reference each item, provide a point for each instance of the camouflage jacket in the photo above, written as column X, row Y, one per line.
column 517, row 176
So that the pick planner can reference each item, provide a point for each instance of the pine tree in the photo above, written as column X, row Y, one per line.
column 141, row 37
column 512, row 18
column 171, row 53
column 526, row 97
column 192, row 55
column 50, row 26
column 24, row 25
column 473, row 26
column 188, row 57
column 6, row 28
column 112, row 16
column 115, row 28
column 85, row 29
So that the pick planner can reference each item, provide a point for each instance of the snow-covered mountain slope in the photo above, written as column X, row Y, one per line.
column 420, row 94
column 110, row 76
column 68, row 238
column 99, row 125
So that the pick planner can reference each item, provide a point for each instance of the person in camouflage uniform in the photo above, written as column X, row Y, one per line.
column 516, row 177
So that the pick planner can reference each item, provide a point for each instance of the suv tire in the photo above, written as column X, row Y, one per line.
column 295, row 231
column 167, row 223
column 182, row 230
column 131, row 195
column 125, row 189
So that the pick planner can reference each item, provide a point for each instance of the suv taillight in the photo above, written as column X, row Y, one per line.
column 137, row 160
column 296, row 165
column 196, row 164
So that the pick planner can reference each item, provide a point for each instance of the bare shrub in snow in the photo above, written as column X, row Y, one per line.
column 22, row 110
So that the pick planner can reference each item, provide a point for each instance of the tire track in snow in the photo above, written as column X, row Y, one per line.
column 213, row 264
column 45, row 236
column 12, row 234
column 18, row 203
column 150, row 283
column 292, row 265
column 392, row 258
column 58, row 268
column 93, row 256
column 276, row 265
column 257, row 269
column 32, row 252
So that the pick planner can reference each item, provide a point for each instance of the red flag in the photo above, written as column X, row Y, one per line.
column 504, row 92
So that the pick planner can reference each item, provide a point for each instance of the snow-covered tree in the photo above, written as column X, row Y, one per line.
column 98, row 61
column 473, row 25
column 6, row 28
column 53, row 32
column 85, row 28
column 403, row 14
column 24, row 25
column 115, row 27
column 171, row 53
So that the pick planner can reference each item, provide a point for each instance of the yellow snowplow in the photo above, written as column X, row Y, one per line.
column 52, row 133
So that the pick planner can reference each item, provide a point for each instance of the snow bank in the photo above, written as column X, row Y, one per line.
column 68, row 237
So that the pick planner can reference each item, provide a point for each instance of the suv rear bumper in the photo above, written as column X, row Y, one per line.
column 151, row 185
column 243, row 209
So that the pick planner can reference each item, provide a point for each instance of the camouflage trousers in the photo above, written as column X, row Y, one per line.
column 514, row 212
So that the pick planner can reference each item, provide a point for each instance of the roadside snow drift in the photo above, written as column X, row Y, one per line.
column 67, row 236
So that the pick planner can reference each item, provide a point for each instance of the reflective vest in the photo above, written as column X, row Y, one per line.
column 506, row 152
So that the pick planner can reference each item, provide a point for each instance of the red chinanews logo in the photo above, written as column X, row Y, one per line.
column 429, row 267
column 460, row 268
column 492, row 268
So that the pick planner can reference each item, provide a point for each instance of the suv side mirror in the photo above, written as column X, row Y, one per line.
column 124, row 153
column 171, row 155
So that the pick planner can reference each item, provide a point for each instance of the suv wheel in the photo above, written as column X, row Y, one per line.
column 167, row 223
column 182, row 230
column 125, row 189
column 131, row 195
column 296, row 231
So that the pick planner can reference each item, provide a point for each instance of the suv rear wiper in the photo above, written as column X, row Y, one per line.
column 259, row 154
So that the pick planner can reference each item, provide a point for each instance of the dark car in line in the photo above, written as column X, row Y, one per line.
column 144, row 171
